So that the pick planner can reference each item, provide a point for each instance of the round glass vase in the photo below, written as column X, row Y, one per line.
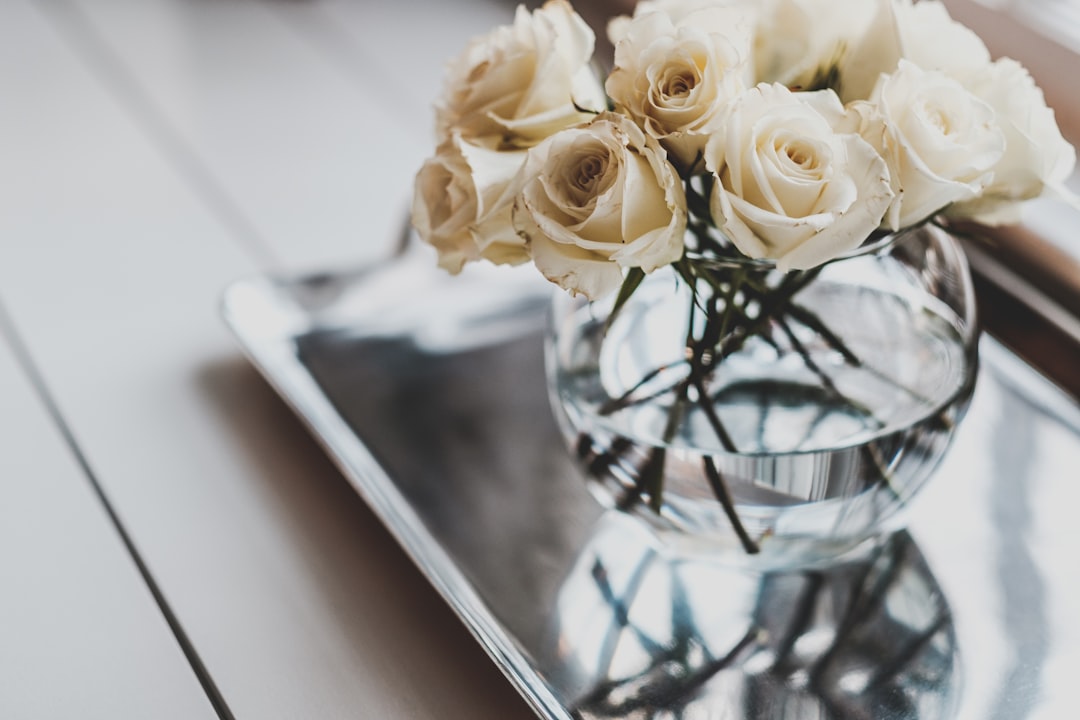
column 788, row 430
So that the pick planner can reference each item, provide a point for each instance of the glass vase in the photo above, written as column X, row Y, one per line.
column 779, row 418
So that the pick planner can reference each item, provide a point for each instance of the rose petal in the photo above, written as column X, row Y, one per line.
column 870, row 176
column 575, row 269
column 1037, row 158
column 637, row 211
column 941, row 142
column 518, row 84
column 806, row 192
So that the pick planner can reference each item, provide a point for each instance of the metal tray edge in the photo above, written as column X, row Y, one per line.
column 272, row 355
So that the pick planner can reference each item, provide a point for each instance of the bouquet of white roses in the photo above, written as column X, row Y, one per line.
column 745, row 144
column 785, row 130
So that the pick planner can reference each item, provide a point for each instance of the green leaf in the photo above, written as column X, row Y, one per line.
column 583, row 109
column 630, row 283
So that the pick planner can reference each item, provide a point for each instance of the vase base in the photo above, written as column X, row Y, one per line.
column 759, row 549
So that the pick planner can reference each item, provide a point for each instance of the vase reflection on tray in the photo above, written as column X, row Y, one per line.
column 831, row 406
column 652, row 636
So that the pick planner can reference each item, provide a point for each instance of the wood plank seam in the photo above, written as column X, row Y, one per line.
column 10, row 333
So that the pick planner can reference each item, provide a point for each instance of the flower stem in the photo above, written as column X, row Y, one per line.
column 626, row 399
column 826, row 381
column 651, row 478
column 653, row 472
column 887, row 479
column 720, row 489
column 771, row 306
column 812, row 321
column 710, row 413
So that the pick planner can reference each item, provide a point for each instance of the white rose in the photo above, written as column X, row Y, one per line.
column 931, row 39
column 800, row 41
column 596, row 199
column 788, row 187
column 675, row 79
column 1036, row 156
column 462, row 205
column 922, row 33
column 792, row 39
column 941, row 142
column 520, row 83
column 741, row 13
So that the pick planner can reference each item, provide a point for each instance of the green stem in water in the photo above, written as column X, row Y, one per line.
column 633, row 278
column 652, row 474
column 812, row 321
column 724, row 332
column 771, row 307
column 720, row 489
column 746, row 328
column 710, row 413
column 712, row 334
column 826, row 381
column 887, row 479
column 870, row 449
column 627, row 399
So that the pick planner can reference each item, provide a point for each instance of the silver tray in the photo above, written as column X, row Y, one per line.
column 428, row 391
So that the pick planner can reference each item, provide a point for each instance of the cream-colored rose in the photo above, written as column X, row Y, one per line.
column 922, row 33
column 740, row 13
column 800, row 41
column 1036, row 156
column 520, row 83
column 790, row 39
column 931, row 39
column 462, row 204
column 788, row 187
column 596, row 199
column 675, row 78
column 940, row 142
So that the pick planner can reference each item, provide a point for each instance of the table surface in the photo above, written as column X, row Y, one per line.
column 172, row 541
column 173, row 544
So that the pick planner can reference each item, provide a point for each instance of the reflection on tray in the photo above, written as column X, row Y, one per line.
column 639, row 634
column 437, row 412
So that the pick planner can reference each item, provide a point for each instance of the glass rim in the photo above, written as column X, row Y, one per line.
column 876, row 242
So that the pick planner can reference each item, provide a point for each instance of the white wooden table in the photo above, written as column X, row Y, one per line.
column 172, row 542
